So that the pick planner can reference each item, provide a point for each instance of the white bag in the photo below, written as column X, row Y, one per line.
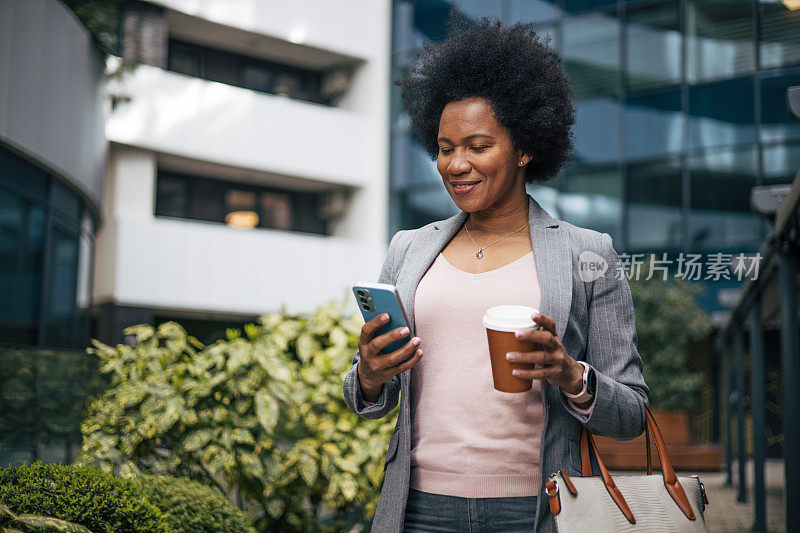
column 628, row 503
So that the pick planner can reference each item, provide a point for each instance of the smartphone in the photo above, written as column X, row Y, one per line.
column 377, row 298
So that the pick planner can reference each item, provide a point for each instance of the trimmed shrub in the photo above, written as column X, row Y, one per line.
column 191, row 507
column 85, row 496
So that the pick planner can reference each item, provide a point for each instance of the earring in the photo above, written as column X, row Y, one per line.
column 521, row 163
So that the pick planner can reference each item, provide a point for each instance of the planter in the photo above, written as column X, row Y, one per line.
column 676, row 430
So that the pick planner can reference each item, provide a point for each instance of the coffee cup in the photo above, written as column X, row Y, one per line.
column 501, row 322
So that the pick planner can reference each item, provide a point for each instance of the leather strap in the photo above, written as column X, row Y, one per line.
column 670, row 479
column 671, row 482
column 647, row 444
column 586, row 462
column 568, row 482
column 611, row 487
column 552, row 496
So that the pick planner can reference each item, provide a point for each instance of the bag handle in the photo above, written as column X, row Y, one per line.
column 671, row 482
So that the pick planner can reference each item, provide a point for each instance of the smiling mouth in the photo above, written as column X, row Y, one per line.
column 464, row 185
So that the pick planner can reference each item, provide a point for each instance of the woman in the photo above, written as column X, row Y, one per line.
column 493, row 107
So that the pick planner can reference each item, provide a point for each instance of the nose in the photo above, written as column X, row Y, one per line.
column 459, row 164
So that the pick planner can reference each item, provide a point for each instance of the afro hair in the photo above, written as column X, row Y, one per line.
column 514, row 70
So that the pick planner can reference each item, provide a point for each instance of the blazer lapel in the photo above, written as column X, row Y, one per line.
column 428, row 243
column 553, row 256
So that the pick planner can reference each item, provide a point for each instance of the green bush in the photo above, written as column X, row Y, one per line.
column 84, row 496
column 261, row 417
column 668, row 321
column 191, row 507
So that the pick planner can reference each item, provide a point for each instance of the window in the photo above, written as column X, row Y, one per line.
column 780, row 38
column 591, row 53
column 592, row 198
column 722, row 113
column 653, row 41
column 654, row 124
column 211, row 200
column 776, row 124
column 245, row 71
column 719, row 37
column 41, row 255
column 654, row 196
column 718, row 220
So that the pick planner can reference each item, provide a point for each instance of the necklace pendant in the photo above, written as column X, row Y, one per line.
column 479, row 254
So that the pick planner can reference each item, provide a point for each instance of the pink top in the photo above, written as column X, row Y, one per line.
column 468, row 439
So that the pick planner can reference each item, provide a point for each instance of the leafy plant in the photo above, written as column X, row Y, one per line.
column 261, row 417
column 668, row 321
column 191, row 507
column 84, row 496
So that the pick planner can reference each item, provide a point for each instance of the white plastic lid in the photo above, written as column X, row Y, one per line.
column 510, row 317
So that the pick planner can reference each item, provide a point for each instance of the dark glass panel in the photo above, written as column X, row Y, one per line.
column 430, row 20
column 533, row 10
column 276, row 211
column 421, row 206
column 186, row 59
column 207, row 200
column 573, row 6
column 591, row 53
column 474, row 9
column 171, row 196
column 779, row 34
column 653, row 41
column 721, row 181
column 781, row 163
column 721, row 113
column 654, row 204
column 65, row 201
column 654, row 124
column 21, row 251
column 592, row 198
column 22, row 177
column 61, row 292
column 257, row 78
column 719, row 38
column 776, row 124
column 597, row 130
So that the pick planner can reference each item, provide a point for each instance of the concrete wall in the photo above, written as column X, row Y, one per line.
column 52, row 106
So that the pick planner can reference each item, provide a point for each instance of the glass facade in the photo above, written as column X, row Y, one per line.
column 680, row 112
column 46, row 253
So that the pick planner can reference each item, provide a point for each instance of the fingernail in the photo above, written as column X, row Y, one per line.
column 385, row 316
column 515, row 372
column 404, row 331
column 519, row 334
column 416, row 341
column 511, row 356
column 536, row 316
column 419, row 352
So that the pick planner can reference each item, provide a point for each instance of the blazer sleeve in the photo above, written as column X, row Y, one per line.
column 391, row 390
column 621, row 394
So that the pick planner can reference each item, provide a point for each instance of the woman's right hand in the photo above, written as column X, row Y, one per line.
column 376, row 368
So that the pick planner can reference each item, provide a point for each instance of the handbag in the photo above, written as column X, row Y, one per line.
column 628, row 503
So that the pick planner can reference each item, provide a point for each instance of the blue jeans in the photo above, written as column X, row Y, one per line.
column 438, row 512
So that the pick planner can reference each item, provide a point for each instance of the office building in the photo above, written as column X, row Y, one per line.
column 248, row 161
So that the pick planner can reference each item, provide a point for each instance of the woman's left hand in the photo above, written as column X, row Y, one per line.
column 558, row 368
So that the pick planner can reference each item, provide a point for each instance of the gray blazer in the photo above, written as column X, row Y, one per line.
column 595, row 322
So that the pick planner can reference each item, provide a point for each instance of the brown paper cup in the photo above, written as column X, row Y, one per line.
column 501, row 322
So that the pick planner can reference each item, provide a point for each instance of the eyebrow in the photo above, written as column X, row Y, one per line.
column 467, row 138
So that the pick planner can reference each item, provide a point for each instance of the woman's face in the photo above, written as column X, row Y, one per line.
column 476, row 151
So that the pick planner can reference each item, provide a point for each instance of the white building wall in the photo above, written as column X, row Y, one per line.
column 189, row 265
